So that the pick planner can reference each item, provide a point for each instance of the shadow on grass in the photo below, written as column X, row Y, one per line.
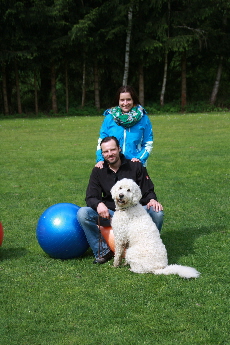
column 12, row 253
column 181, row 242
column 88, row 253
column 178, row 243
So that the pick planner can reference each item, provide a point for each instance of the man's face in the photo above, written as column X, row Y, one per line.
column 110, row 152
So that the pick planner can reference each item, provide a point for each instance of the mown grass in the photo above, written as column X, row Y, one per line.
column 49, row 301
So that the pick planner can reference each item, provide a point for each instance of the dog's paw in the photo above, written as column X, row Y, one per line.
column 115, row 264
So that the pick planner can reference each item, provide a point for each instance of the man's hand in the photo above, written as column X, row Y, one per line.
column 103, row 211
column 155, row 204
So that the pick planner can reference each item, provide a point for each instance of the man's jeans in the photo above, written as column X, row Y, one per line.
column 88, row 218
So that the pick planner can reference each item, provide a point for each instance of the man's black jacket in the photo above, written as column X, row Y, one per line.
column 102, row 180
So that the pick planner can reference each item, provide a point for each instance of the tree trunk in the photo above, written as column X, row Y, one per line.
column 183, row 82
column 217, row 83
column 141, row 85
column 162, row 97
column 44, row 90
column 53, row 90
column 17, row 87
column 66, row 88
column 35, row 93
column 83, row 86
column 4, row 90
column 96, row 86
column 127, row 46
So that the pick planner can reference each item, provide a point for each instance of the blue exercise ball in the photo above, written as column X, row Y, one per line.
column 59, row 233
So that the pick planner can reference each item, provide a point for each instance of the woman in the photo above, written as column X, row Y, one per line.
column 129, row 123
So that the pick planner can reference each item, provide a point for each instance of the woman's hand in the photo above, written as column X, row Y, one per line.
column 135, row 160
column 99, row 164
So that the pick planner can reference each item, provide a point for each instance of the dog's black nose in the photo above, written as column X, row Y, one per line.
column 121, row 196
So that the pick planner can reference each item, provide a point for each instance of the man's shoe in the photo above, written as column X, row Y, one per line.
column 105, row 258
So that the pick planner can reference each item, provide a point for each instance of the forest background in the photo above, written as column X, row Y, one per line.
column 63, row 56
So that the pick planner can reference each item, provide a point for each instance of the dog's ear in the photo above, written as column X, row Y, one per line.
column 112, row 191
column 115, row 188
column 137, row 193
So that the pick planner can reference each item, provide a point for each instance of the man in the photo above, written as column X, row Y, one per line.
column 99, row 200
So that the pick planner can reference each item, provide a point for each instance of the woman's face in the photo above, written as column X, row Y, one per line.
column 125, row 102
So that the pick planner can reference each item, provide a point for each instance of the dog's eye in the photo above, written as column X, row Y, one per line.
column 128, row 190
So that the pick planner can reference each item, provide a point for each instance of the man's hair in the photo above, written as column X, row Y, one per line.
column 129, row 89
column 106, row 139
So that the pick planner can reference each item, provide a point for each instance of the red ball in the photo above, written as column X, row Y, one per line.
column 107, row 233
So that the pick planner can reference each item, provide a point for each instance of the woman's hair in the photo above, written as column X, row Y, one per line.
column 129, row 89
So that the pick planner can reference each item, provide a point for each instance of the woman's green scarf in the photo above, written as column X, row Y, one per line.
column 128, row 119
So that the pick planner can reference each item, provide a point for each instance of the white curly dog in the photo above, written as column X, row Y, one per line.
column 137, row 235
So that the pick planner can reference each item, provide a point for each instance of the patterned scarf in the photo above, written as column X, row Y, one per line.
column 128, row 119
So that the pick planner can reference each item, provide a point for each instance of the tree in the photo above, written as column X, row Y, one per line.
column 127, row 45
column 141, row 84
column 98, row 38
column 13, row 47
column 222, row 46
column 17, row 86
column 187, row 36
column 148, row 27
column 183, row 82
column 61, row 53
column 163, row 88
column 4, row 89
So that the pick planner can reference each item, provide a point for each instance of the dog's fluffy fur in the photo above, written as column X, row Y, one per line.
column 135, row 232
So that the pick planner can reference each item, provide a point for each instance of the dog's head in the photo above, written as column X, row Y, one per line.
column 126, row 193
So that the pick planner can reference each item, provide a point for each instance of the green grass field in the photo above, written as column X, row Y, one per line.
column 47, row 301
